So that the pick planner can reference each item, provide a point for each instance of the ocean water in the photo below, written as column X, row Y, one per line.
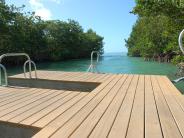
column 112, row 63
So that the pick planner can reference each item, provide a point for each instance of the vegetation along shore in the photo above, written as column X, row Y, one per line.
column 155, row 33
column 51, row 40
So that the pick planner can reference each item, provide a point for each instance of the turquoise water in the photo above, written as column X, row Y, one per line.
column 112, row 63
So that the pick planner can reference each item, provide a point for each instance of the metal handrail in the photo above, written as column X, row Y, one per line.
column 18, row 54
column 92, row 53
column 182, row 50
column 34, row 65
column 92, row 66
column 180, row 41
column 5, row 75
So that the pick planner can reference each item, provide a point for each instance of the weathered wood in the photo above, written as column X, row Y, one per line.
column 136, row 124
column 104, row 125
column 120, row 125
column 152, row 122
column 169, row 127
column 121, row 106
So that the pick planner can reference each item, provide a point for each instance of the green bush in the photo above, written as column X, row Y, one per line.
column 177, row 59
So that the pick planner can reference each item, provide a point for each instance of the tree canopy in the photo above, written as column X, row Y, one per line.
column 156, row 31
column 44, row 40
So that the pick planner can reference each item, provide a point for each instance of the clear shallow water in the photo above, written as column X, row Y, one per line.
column 112, row 63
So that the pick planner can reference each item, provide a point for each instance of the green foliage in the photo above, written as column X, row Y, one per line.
column 44, row 40
column 171, row 8
column 177, row 59
column 157, row 28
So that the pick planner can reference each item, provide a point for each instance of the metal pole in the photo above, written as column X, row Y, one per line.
column 5, row 75
column 30, row 69
column 0, row 77
column 180, row 41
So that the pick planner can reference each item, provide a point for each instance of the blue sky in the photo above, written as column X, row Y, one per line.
column 109, row 18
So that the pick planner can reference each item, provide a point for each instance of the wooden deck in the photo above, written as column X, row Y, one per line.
column 121, row 106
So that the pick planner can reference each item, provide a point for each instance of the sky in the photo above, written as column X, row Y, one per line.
column 109, row 18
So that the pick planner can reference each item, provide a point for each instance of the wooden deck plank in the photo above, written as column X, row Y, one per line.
column 174, row 92
column 169, row 127
column 101, row 78
column 17, row 112
column 13, row 98
column 173, row 89
column 20, row 101
column 45, row 120
column 89, row 103
column 174, row 107
column 92, row 119
column 104, row 125
column 121, row 106
column 7, row 91
column 39, row 107
column 40, row 74
column 48, row 74
column 136, row 124
column 78, row 76
column 120, row 124
column 15, row 93
column 25, row 103
column 152, row 122
column 81, row 76
column 53, row 74
column 92, row 76
column 96, row 77
column 57, row 112
column 69, row 76
column 32, row 119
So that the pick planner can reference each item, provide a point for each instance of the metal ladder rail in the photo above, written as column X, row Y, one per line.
column 19, row 54
column 34, row 65
column 180, row 41
column 5, row 75
column 92, row 66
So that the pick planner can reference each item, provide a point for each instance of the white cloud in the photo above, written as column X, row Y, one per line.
column 36, row 4
column 41, row 10
column 56, row 1
column 44, row 13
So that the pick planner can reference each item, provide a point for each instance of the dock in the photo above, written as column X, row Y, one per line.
column 113, row 106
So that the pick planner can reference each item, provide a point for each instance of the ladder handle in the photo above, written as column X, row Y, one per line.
column 17, row 54
column 92, row 54
column 5, row 75
column 30, row 62
column 92, row 66
column 180, row 41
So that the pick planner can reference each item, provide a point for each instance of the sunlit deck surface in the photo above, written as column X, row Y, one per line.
column 121, row 106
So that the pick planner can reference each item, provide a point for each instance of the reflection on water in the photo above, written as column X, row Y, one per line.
column 112, row 63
